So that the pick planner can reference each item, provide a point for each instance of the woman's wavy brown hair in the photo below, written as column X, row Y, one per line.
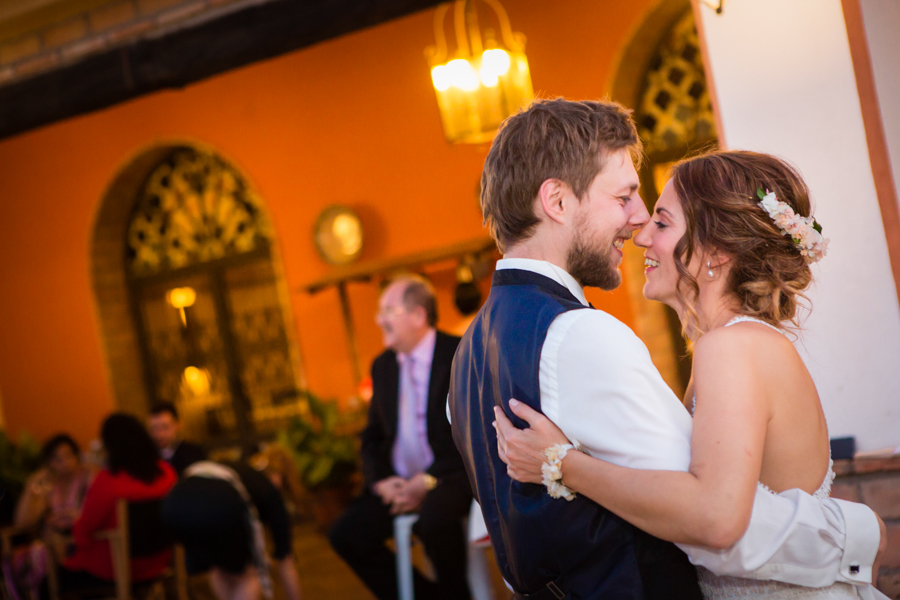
column 718, row 193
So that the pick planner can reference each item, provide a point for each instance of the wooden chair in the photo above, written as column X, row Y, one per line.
column 139, row 532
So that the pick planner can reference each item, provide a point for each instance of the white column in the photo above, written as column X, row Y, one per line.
column 782, row 73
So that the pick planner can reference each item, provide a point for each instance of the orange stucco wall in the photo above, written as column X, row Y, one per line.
column 351, row 121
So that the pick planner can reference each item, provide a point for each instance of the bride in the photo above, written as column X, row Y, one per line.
column 729, row 247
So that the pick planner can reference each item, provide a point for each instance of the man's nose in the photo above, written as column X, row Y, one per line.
column 641, row 216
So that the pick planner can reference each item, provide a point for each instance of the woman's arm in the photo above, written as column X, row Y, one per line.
column 711, row 504
column 290, row 580
column 32, row 506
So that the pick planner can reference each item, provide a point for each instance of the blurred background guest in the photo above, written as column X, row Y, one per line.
column 134, row 472
column 53, row 495
column 281, row 470
column 409, row 460
column 165, row 429
column 49, row 506
column 217, row 512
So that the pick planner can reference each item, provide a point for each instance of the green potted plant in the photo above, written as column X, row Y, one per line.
column 18, row 460
column 324, row 444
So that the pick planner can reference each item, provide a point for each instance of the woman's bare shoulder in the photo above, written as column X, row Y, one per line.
column 742, row 339
column 749, row 348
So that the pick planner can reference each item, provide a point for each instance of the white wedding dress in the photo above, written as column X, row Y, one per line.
column 726, row 588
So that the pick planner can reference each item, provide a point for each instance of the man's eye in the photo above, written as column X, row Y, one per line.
column 625, row 198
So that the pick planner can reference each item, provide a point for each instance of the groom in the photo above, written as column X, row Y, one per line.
column 560, row 192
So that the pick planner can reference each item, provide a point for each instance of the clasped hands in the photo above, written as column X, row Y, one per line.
column 403, row 495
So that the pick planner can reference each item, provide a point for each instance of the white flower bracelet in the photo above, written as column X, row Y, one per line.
column 552, row 471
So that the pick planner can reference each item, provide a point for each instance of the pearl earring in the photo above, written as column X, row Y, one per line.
column 709, row 267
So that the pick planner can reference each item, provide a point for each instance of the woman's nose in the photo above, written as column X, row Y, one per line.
column 643, row 238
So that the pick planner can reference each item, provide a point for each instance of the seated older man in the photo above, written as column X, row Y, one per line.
column 409, row 459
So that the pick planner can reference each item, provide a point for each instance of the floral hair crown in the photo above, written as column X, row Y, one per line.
column 805, row 231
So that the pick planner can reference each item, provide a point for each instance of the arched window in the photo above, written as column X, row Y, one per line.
column 674, row 113
column 205, row 299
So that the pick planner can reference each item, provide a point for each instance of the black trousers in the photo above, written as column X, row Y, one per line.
column 360, row 533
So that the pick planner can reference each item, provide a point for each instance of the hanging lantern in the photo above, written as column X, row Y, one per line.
column 485, row 80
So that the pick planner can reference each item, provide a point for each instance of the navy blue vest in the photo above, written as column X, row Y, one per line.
column 587, row 551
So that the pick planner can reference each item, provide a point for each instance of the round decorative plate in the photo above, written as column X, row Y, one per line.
column 338, row 235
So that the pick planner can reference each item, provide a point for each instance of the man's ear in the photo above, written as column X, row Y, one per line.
column 551, row 197
column 421, row 314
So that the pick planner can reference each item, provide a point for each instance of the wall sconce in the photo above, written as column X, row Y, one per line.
column 485, row 80
column 716, row 5
column 466, row 294
column 181, row 298
column 195, row 381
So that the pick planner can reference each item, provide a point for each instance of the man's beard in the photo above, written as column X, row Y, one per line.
column 590, row 266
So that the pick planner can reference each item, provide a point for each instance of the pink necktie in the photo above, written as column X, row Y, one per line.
column 411, row 455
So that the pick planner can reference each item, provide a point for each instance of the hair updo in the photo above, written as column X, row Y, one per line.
column 718, row 194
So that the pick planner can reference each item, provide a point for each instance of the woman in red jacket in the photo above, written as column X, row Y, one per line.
column 134, row 472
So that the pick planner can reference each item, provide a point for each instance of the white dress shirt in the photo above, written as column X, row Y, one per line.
column 599, row 385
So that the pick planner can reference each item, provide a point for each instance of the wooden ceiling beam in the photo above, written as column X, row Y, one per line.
column 187, row 55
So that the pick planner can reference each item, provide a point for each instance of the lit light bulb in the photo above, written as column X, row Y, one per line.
column 488, row 77
column 523, row 65
column 181, row 297
column 462, row 75
column 440, row 78
column 196, row 380
column 495, row 61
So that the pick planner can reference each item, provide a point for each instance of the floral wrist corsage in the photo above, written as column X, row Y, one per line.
column 552, row 471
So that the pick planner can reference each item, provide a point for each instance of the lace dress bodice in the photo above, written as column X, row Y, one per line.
column 727, row 588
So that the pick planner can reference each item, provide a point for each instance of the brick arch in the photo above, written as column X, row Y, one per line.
column 116, row 314
column 633, row 60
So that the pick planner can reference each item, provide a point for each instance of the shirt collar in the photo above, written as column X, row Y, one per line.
column 168, row 453
column 423, row 351
column 549, row 270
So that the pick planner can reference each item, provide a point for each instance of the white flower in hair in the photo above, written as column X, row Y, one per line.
column 771, row 205
column 805, row 231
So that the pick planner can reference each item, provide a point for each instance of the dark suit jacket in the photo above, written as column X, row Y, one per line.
column 381, row 430
column 185, row 455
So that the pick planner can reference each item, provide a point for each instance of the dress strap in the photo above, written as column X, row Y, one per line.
column 744, row 318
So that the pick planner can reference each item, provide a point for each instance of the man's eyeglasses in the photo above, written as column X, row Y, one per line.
column 389, row 311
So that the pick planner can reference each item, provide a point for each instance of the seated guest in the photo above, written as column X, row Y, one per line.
column 165, row 429
column 49, row 505
column 134, row 472
column 409, row 460
column 216, row 512
column 54, row 494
